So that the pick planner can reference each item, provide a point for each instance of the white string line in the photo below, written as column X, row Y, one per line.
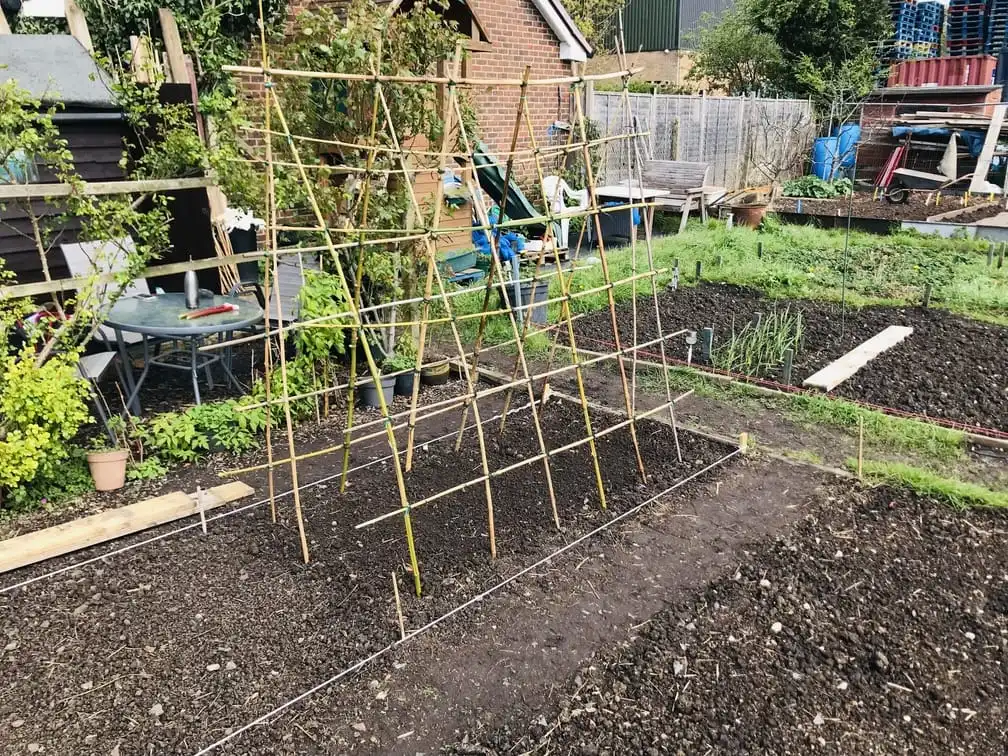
column 230, row 512
column 475, row 600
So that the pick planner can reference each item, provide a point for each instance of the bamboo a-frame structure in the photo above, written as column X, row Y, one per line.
column 437, row 305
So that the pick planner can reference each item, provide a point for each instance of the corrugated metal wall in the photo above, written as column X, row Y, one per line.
column 656, row 25
column 690, row 14
column 650, row 25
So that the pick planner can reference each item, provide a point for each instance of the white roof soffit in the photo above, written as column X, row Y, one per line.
column 573, row 46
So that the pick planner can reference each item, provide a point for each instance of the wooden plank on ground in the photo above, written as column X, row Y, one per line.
column 839, row 371
column 989, row 145
column 59, row 540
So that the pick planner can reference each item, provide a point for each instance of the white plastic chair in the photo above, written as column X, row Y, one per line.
column 558, row 192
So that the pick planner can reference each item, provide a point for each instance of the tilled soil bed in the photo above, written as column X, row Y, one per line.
column 879, row 625
column 865, row 206
column 168, row 647
column 951, row 367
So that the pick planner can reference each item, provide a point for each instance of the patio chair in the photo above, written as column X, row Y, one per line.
column 92, row 368
column 558, row 192
column 285, row 301
column 87, row 258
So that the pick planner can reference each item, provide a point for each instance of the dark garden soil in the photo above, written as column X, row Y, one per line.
column 952, row 367
column 167, row 647
column 879, row 625
column 864, row 206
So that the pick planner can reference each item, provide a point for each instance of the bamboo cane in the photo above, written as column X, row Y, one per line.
column 523, row 463
column 375, row 376
column 409, row 79
column 525, row 153
column 432, row 266
column 358, row 282
column 649, row 246
column 483, row 216
column 270, row 96
column 453, row 403
column 428, row 281
column 566, row 316
column 593, row 199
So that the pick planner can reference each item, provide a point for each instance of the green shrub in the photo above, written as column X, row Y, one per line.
column 41, row 409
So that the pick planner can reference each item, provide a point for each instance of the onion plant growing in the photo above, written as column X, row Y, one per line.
column 758, row 349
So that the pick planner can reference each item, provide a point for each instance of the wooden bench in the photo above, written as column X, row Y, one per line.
column 688, row 184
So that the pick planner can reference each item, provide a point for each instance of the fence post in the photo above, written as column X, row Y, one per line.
column 702, row 157
column 589, row 103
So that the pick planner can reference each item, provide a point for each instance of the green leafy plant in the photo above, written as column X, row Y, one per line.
column 815, row 187
column 41, row 409
column 150, row 469
column 174, row 437
column 227, row 425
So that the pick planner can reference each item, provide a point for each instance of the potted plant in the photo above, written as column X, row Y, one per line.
column 108, row 460
column 402, row 363
column 436, row 374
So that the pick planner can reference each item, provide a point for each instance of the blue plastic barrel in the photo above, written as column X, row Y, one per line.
column 825, row 157
column 849, row 135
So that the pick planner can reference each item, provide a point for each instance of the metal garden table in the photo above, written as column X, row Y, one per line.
column 158, row 317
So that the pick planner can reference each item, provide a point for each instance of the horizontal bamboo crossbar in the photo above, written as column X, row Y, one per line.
column 451, row 403
column 287, row 73
column 525, row 462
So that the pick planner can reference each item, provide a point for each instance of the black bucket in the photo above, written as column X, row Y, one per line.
column 534, row 295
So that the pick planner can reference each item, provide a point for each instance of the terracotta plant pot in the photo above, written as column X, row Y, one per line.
column 108, row 469
column 750, row 215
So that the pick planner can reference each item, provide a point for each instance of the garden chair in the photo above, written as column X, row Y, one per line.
column 87, row 258
column 558, row 193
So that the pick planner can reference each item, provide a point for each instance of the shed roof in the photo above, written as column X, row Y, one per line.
column 55, row 68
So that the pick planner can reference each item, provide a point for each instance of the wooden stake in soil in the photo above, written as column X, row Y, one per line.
column 201, row 505
column 860, row 447
column 398, row 606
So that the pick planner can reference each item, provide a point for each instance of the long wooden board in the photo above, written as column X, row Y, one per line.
column 59, row 540
column 839, row 371
column 989, row 145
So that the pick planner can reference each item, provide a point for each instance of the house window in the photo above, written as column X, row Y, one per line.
column 18, row 169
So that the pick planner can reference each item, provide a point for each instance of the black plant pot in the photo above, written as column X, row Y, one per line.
column 404, row 384
column 369, row 394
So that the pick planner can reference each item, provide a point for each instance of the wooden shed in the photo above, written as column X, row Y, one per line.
column 57, row 70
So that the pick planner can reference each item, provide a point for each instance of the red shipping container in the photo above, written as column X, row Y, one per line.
column 975, row 70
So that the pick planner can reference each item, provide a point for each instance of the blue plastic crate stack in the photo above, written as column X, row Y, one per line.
column 928, row 23
column 997, row 24
column 967, row 27
column 904, row 14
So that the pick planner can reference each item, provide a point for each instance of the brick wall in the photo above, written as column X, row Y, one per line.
column 520, row 37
